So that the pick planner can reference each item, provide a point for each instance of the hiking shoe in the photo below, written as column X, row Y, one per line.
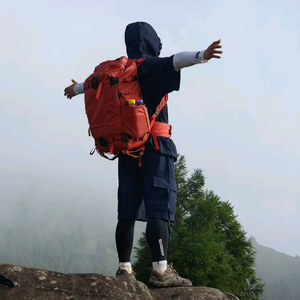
column 169, row 278
column 123, row 274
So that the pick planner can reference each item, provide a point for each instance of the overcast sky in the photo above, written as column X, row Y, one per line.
column 236, row 118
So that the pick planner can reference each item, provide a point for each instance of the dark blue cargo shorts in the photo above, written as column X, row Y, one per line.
column 147, row 191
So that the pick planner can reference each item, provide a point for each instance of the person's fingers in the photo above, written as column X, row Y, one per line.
column 211, row 51
column 216, row 42
column 214, row 55
column 74, row 81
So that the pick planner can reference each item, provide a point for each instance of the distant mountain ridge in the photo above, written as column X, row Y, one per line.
column 280, row 272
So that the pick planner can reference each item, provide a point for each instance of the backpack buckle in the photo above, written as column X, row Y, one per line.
column 95, row 82
column 125, row 137
column 134, row 78
column 114, row 80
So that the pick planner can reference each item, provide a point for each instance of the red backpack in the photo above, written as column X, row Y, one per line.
column 115, row 126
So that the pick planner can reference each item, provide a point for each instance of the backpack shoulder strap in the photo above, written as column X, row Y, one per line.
column 153, row 120
column 160, row 106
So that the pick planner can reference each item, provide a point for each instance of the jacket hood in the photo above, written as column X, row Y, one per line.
column 142, row 41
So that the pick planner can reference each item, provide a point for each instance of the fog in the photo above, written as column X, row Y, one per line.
column 236, row 118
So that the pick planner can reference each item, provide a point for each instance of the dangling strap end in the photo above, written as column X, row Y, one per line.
column 156, row 144
column 142, row 150
column 92, row 151
column 111, row 150
column 152, row 122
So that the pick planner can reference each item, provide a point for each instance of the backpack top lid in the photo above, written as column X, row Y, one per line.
column 142, row 41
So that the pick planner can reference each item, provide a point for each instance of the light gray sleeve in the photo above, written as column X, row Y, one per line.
column 186, row 59
column 79, row 88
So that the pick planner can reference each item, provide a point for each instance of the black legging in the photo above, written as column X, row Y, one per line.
column 157, row 234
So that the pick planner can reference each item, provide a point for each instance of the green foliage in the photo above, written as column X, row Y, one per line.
column 208, row 244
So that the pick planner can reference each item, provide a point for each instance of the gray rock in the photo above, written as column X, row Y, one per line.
column 35, row 284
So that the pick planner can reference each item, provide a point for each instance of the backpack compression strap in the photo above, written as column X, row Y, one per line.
column 159, row 128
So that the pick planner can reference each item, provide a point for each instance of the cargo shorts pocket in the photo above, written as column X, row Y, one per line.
column 166, row 183
column 163, row 195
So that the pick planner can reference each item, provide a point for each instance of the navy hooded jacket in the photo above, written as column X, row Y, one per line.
column 157, row 76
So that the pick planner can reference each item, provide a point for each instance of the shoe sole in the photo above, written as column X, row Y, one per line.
column 165, row 284
column 124, row 277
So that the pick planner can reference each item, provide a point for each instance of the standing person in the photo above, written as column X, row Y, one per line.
column 148, row 193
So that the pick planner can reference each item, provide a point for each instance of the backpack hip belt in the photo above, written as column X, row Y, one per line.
column 160, row 129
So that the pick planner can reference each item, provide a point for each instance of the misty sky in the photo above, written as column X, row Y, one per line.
column 236, row 118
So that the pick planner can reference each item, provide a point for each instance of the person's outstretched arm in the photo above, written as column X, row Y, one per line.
column 181, row 60
column 186, row 59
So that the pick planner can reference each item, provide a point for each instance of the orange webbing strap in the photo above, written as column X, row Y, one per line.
column 156, row 144
column 160, row 106
column 160, row 129
column 99, row 90
column 158, row 109
column 139, row 156
column 164, row 129
column 141, row 151
column 134, row 77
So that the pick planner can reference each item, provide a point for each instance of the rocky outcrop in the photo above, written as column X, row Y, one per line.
column 34, row 284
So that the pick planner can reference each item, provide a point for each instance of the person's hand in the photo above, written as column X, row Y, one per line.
column 211, row 51
column 69, row 91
